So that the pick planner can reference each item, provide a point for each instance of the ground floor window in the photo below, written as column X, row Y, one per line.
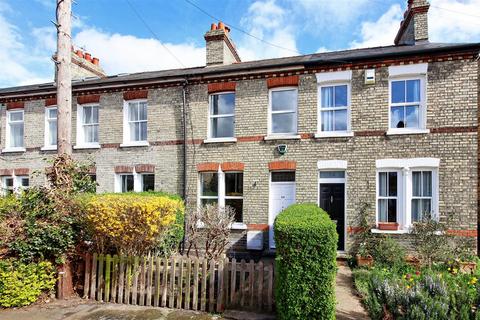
column 12, row 184
column 148, row 182
column 127, row 182
column 135, row 182
column 224, row 188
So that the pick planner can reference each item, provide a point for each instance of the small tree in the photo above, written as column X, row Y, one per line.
column 363, row 239
column 430, row 239
column 208, row 230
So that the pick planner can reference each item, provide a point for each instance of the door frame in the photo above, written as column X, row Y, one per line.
column 271, row 220
column 330, row 181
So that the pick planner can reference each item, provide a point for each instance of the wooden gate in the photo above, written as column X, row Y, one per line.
column 180, row 282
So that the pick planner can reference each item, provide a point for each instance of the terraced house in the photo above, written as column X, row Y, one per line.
column 395, row 127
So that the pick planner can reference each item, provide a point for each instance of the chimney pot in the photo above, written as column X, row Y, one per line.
column 221, row 25
column 79, row 53
column 96, row 61
column 213, row 26
column 88, row 56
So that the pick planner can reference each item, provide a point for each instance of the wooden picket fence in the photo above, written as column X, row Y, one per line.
column 180, row 282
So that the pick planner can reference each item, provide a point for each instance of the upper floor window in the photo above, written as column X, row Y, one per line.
column 51, row 127
column 222, row 115
column 334, row 108
column 407, row 98
column 15, row 129
column 135, row 122
column 88, row 125
column 283, row 111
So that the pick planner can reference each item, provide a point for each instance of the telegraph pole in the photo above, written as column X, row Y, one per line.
column 64, row 77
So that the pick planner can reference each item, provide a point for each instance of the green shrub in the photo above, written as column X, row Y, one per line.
column 22, row 284
column 306, row 248
column 387, row 251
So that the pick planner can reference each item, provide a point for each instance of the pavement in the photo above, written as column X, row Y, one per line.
column 349, row 307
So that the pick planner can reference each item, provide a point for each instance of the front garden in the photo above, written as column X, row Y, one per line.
column 439, row 280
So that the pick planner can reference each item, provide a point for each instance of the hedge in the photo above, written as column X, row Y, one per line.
column 306, row 250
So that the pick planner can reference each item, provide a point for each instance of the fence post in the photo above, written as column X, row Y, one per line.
column 233, row 285
column 171, row 296
column 86, row 283
column 108, row 262
column 260, row 285
column 204, row 285
column 180, row 284
column 188, row 286
column 165, row 280
column 135, row 280
column 93, row 279
column 195, row 285
column 156, row 300
column 220, row 286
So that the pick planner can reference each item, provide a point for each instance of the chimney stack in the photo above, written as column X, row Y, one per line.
column 220, row 47
column 414, row 26
column 83, row 65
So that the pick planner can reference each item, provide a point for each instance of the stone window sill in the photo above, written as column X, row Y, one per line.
column 86, row 146
column 400, row 231
column 392, row 132
column 135, row 144
column 220, row 140
column 16, row 149
column 282, row 137
column 48, row 148
column 333, row 134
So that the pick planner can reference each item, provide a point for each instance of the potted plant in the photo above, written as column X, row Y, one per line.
column 364, row 258
column 467, row 262
column 387, row 225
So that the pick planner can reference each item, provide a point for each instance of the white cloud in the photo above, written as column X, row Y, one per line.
column 381, row 32
column 268, row 21
column 448, row 24
column 126, row 53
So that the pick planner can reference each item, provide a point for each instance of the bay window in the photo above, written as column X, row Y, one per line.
column 15, row 130
column 51, row 127
column 283, row 111
column 224, row 188
column 222, row 116
column 407, row 190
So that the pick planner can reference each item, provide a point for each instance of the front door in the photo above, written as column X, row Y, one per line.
column 332, row 200
column 282, row 195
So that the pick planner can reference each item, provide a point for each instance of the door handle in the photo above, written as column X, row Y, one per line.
column 331, row 199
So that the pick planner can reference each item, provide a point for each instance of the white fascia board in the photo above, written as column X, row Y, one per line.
column 334, row 76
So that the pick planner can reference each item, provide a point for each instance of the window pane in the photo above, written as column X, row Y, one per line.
column 148, row 183
column 284, row 100
column 237, row 206
column 398, row 91
column 412, row 116
column 234, row 184
column 416, row 210
column 209, row 181
column 142, row 111
column 427, row 183
column 94, row 114
column 91, row 133
column 392, row 210
column 133, row 111
column 143, row 131
column 382, row 184
column 16, row 116
column 382, row 210
column 327, row 97
column 327, row 120
column 52, row 113
column 127, row 183
column 223, row 127
column 52, row 132
column 284, row 123
column 416, row 184
column 283, row 176
column 413, row 90
column 341, row 96
column 16, row 135
column 397, row 117
column 340, row 120
column 223, row 104
column 392, row 184
column 426, row 206
column 134, row 136
column 87, row 115
column 332, row 174
column 24, row 182
column 9, row 182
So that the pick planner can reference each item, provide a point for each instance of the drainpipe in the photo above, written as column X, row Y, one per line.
column 184, row 117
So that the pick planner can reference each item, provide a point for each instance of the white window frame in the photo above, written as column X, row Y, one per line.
column 81, row 144
column 210, row 138
column 17, row 183
column 404, row 167
column 137, row 180
column 287, row 135
column 433, row 198
column 47, row 145
column 403, row 73
column 127, row 141
column 221, row 195
column 336, row 133
column 8, row 137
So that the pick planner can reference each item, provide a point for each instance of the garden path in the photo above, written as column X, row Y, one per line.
column 349, row 305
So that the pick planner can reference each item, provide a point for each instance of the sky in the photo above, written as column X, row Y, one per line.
column 143, row 35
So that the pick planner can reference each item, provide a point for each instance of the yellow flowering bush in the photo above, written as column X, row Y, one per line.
column 130, row 223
